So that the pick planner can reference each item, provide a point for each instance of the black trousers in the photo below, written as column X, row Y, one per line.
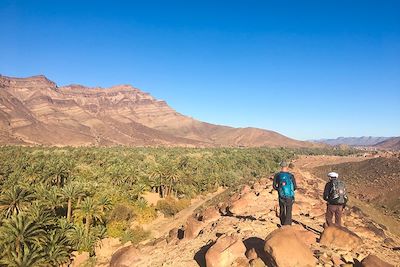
column 285, row 210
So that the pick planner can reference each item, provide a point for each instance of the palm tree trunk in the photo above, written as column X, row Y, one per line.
column 17, row 246
column 69, row 210
column 87, row 225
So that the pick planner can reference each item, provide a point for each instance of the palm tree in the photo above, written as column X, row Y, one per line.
column 20, row 232
column 105, row 204
column 52, row 198
column 42, row 216
column 76, row 236
column 71, row 192
column 89, row 211
column 26, row 257
column 57, row 249
column 13, row 200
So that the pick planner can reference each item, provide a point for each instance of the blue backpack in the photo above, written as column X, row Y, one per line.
column 286, row 188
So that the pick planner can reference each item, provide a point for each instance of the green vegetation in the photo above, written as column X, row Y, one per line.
column 57, row 200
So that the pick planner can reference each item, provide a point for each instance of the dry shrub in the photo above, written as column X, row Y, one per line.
column 122, row 212
column 135, row 235
column 117, row 228
column 170, row 206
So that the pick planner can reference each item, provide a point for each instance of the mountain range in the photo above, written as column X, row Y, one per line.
column 353, row 141
column 390, row 143
column 35, row 111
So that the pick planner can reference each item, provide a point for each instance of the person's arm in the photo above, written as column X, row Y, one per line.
column 327, row 189
column 294, row 182
column 275, row 184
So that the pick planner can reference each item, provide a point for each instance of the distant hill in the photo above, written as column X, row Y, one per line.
column 35, row 111
column 390, row 144
column 353, row 141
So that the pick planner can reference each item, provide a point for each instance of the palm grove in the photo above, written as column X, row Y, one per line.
column 54, row 201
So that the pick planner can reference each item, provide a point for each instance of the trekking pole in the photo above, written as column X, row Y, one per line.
column 305, row 226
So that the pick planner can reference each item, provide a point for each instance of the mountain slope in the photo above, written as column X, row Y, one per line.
column 35, row 110
column 391, row 144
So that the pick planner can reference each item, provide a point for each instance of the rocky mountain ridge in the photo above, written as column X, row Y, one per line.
column 35, row 111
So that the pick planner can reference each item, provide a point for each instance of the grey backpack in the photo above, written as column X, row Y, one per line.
column 338, row 194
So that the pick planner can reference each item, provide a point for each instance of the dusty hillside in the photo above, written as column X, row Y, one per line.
column 36, row 111
column 375, row 181
column 233, row 230
column 390, row 144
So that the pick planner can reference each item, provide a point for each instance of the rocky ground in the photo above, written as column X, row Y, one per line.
column 243, row 230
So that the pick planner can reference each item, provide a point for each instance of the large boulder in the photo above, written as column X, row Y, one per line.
column 285, row 249
column 308, row 237
column 210, row 214
column 228, row 249
column 192, row 228
column 374, row 261
column 239, row 206
column 340, row 237
column 125, row 257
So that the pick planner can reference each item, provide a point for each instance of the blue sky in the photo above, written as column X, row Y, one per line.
column 307, row 69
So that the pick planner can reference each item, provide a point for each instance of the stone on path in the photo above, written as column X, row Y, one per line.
column 340, row 237
column 286, row 249
column 227, row 250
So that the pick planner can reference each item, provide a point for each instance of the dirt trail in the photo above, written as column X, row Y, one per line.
column 161, row 226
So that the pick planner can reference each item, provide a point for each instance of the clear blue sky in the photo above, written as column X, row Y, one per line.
column 307, row 69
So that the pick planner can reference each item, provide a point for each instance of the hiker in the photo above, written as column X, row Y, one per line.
column 285, row 183
column 336, row 197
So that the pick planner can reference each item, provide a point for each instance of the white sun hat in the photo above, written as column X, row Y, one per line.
column 333, row 175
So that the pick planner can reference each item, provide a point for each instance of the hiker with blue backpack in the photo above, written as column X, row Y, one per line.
column 336, row 197
column 285, row 184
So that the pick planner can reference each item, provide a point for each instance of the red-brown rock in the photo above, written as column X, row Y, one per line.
column 210, row 215
column 226, row 251
column 340, row 237
column 192, row 228
column 280, row 241
column 374, row 261
column 239, row 206
column 125, row 257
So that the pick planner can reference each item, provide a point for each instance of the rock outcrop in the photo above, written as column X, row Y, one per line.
column 226, row 251
column 125, row 257
column 192, row 228
column 374, row 261
column 286, row 249
column 340, row 237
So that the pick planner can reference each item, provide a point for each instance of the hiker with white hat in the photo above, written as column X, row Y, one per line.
column 336, row 197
